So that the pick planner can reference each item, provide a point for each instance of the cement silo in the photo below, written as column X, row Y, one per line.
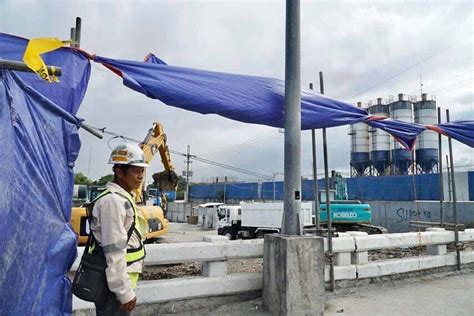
column 380, row 140
column 401, row 110
column 426, row 148
column 360, row 158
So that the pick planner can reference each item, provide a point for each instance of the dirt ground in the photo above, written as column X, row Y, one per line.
column 182, row 232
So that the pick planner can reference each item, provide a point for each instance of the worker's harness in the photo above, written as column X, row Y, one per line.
column 133, row 255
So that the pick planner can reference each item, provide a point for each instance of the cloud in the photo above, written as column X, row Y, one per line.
column 356, row 44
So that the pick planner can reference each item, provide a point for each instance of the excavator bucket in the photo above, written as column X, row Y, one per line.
column 166, row 180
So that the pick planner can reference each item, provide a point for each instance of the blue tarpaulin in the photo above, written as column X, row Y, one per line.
column 257, row 100
column 248, row 99
column 462, row 131
column 40, row 142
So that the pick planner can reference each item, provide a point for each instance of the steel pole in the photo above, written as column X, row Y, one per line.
column 187, row 176
column 77, row 38
column 328, row 199
column 225, row 187
column 73, row 36
column 440, row 172
column 315, row 178
column 292, row 204
column 449, row 178
column 455, row 212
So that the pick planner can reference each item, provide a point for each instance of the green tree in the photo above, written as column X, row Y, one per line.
column 104, row 180
column 181, row 184
column 80, row 178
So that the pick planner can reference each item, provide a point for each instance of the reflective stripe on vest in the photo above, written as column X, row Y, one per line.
column 133, row 255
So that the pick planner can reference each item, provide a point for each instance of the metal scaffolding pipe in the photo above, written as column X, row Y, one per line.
column 21, row 66
column 440, row 172
column 315, row 178
column 328, row 199
column 455, row 212
column 77, row 37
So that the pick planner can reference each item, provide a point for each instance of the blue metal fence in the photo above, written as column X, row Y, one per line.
column 470, row 183
column 389, row 188
column 394, row 188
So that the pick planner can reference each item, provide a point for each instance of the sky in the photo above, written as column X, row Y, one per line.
column 366, row 50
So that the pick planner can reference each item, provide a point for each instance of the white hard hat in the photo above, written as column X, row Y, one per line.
column 128, row 154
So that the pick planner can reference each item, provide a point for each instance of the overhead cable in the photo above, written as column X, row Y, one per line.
column 200, row 159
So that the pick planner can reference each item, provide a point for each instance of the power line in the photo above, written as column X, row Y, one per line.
column 401, row 72
column 443, row 81
column 218, row 164
column 451, row 88
column 200, row 159
column 248, row 144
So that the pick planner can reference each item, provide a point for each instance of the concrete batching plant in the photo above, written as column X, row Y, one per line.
column 375, row 152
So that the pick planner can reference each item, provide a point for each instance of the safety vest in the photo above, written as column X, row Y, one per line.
column 133, row 255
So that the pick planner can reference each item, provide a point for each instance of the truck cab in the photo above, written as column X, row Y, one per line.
column 230, row 217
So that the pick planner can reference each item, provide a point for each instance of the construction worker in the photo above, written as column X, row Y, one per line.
column 118, row 228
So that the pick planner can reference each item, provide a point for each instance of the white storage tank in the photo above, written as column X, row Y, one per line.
column 380, row 140
column 401, row 110
column 360, row 158
column 426, row 148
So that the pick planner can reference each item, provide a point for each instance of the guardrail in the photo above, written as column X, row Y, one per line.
column 350, row 256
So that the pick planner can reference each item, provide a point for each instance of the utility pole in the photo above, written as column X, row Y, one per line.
column 285, row 292
column 292, row 185
column 188, row 161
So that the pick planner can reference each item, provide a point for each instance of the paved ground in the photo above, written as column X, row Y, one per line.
column 451, row 295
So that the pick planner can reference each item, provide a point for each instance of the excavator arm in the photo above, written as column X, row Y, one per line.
column 155, row 141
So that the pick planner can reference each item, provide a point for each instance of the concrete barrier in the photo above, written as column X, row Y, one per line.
column 179, row 212
column 150, row 292
column 396, row 215
column 353, row 264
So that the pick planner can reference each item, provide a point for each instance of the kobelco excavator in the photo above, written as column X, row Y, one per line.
column 167, row 180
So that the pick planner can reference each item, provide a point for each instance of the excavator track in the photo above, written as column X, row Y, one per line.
column 369, row 229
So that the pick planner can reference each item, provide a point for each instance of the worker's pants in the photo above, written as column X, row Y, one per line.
column 110, row 306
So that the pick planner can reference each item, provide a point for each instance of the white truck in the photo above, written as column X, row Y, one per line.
column 254, row 220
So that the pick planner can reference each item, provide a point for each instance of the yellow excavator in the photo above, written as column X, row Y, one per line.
column 167, row 180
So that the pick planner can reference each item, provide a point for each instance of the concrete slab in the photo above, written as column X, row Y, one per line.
column 452, row 295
